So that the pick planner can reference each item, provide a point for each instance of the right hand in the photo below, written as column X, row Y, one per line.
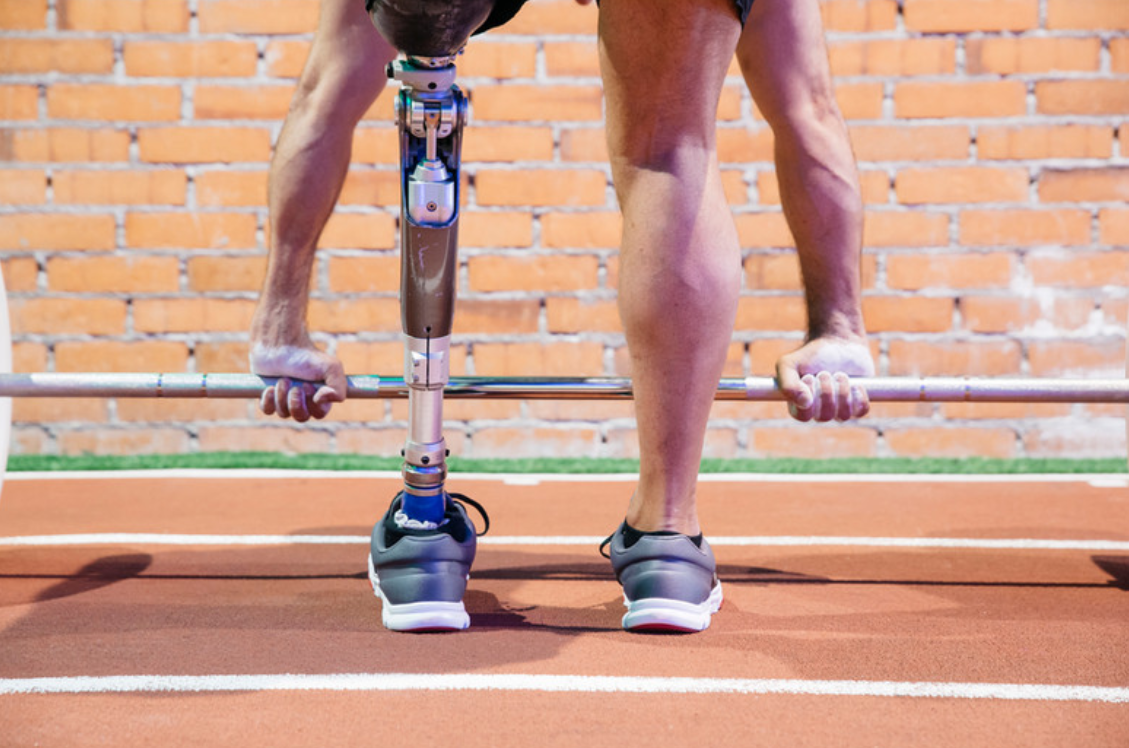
column 322, row 380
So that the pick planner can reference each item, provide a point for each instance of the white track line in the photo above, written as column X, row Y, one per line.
column 556, row 684
column 1099, row 480
column 1042, row 544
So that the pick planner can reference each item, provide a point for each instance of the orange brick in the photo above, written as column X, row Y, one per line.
column 285, row 58
column 860, row 100
column 368, row 187
column 549, row 274
column 496, row 316
column 64, row 144
column 19, row 102
column 579, row 410
column 905, row 229
column 201, row 59
column 541, row 187
column 744, row 145
column 566, row 441
column 359, row 231
column 1113, row 226
column 893, row 57
column 984, row 228
column 27, row 15
column 994, row 314
column 103, row 187
column 29, row 357
column 735, row 187
column 59, row 410
column 123, row 16
column 117, row 441
column 38, row 231
column 907, row 142
column 221, row 357
column 190, row 230
column 113, row 274
column 487, row 59
column 960, row 99
column 773, row 272
column 383, row 110
column 942, row 16
column 1010, row 55
column 570, row 315
column 287, row 439
column 1000, row 411
column 859, row 15
column 23, row 186
column 572, row 59
column 535, row 360
column 231, row 189
column 763, row 230
column 825, row 440
column 519, row 103
column 1045, row 141
column 1082, row 97
column 257, row 16
column 997, row 443
column 968, row 184
column 1104, row 15
column 93, row 101
column 374, row 358
column 584, row 145
column 934, row 358
column 192, row 315
column 365, row 274
column 1084, row 185
column 242, row 102
column 63, row 316
column 907, row 313
column 104, row 355
column 20, row 274
column 1119, row 54
column 598, row 230
column 547, row 17
column 756, row 313
column 28, row 56
column 226, row 273
column 378, row 144
column 1092, row 438
column 367, row 315
column 191, row 145
column 1079, row 269
column 508, row 144
column 495, row 229
column 1096, row 358
column 965, row 270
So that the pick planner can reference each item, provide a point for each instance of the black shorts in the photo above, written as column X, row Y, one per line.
column 504, row 10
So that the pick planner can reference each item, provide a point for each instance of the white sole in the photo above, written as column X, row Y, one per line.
column 660, row 614
column 422, row 616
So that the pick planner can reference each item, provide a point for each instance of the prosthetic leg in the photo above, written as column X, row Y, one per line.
column 431, row 112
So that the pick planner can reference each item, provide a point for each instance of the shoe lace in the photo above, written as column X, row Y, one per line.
column 464, row 500
column 604, row 545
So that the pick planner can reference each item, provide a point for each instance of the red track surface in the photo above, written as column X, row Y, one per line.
column 804, row 614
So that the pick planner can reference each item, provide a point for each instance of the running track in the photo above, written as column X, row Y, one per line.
column 230, row 608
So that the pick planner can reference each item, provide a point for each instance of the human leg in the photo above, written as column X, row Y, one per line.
column 663, row 65
column 784, row 61
column 343, row 76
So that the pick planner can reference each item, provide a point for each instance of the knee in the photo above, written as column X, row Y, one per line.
column 337, row 89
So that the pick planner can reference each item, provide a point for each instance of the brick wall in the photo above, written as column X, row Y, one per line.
column 134, row 140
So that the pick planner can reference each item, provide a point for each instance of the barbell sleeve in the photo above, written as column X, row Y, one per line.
column 880, row 389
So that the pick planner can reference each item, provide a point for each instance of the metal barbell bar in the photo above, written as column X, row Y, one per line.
column 880, row 389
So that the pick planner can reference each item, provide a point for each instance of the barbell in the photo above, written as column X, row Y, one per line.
column 371, row 386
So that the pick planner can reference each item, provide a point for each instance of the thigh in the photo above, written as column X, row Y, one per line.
column 783, row 58
column 663, row 64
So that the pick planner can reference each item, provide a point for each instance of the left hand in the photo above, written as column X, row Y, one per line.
column 816, row 379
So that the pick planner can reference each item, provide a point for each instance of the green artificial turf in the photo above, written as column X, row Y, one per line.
column 272, row 460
